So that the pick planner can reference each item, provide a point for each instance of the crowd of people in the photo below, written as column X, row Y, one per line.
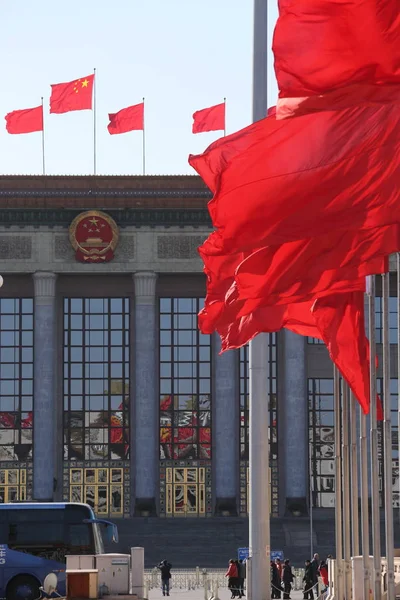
column 282, row 577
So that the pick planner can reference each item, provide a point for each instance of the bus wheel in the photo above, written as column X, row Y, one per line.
column 23, row 587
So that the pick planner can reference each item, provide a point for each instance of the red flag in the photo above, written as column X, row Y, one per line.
column 352, row 160
column 209, row 119
column 74, row 95
column 127, row 119
column 28, row 120
column 322, row 45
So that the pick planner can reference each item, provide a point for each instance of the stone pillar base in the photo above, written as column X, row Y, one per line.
column 296, row 507
column 226, row 507
column 145, row 507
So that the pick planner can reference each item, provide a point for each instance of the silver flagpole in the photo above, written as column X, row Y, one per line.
column 374, row 459
column 346, row 490
column 355, row 531
column 398, row 367
column 338, row 490
column 259, row 492
column 387, row 439
column 364, row 502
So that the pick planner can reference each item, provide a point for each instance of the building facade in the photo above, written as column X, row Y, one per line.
column 109, row 394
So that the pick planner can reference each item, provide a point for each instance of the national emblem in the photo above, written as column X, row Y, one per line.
column 94, row 237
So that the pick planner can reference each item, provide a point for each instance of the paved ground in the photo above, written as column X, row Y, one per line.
column 224, row 594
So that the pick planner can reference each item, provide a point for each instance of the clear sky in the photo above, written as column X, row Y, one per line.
column 181, row 55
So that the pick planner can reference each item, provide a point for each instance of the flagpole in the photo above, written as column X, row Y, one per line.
column 144, row 145
column 225, row 118
column 338, row 489
column 355, row 532
column 364, row 502
column 259, row 487
column 94, row 124
column 387, row 438
column 43, row 153
column 346, row 489
column 374, row 460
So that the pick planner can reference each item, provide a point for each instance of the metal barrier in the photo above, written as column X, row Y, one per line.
column 208, row 579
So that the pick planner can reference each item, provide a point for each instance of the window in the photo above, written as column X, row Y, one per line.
column 16, row 398
column 96, row 403
column 322, row 441
column 271, row 385
column 395, row 443
column 392, row 319
column 185, row 409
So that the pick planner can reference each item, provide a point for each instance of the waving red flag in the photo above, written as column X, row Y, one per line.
column 28, row 120
column 209, row 119
column 127, row 119
column 74, row 95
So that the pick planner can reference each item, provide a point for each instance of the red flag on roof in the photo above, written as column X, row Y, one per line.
column 209, row 119
column 73, row 95
column 127, row 119
column 28, row 120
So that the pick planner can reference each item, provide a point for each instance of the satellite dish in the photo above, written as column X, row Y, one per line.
column 50, row 583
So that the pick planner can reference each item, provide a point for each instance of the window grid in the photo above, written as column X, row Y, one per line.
column 185, row 408
column 392, row 319
column 244, row 426
column 96, row 400
column 16, row 398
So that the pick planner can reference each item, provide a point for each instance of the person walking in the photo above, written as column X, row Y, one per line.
column 276, row 588
column 323, row 571
column 242, row 577
column 233, row 579
column 165, row 568
column 287, row 578
column 308, row 593
column 315, row 568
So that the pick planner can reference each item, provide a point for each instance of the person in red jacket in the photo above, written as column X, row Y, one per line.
column 323, row 571
column 233, row 578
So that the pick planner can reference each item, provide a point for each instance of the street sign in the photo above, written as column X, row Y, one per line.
column 243, row 554
column 276, row 554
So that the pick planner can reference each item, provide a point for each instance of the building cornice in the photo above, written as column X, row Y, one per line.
column 124, row 217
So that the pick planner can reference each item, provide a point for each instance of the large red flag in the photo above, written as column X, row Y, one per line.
column 28, row 120
column 324, row 45
column 209, row 119
column 127, row 119
column 332, row 170
column 73, row 95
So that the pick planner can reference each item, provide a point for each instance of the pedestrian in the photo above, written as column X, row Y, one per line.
column 276, row 588
column 242, row 577
column 323, row 571
column 279, row 566
column 232, row 575
column 165, row 568
column 315, row 568
column 308, row 581
column 287, row 578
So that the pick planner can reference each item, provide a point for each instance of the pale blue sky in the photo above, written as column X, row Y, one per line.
column 181, row 55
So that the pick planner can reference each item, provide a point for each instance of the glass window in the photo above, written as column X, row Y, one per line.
column 94, row 379
column 16, row 387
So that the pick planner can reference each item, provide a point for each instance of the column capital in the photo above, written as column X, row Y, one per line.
column 145, row 286
column 44, row 284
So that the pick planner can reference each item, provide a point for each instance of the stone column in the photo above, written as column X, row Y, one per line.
column 226, row 429
column 295, row 423
column 145, row 430
column 44, row 424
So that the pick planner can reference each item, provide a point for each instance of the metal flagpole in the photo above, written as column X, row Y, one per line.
column 225, row 118
column 259, row 491
column 338, row 489
column 43, row 153
column 398, row 366
column 144, row 145
column 94, row 124
column 374, row 459
column 346, row 490
column 355, row 531
column 364, row 502
column 387, row 438
column 310, row 476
